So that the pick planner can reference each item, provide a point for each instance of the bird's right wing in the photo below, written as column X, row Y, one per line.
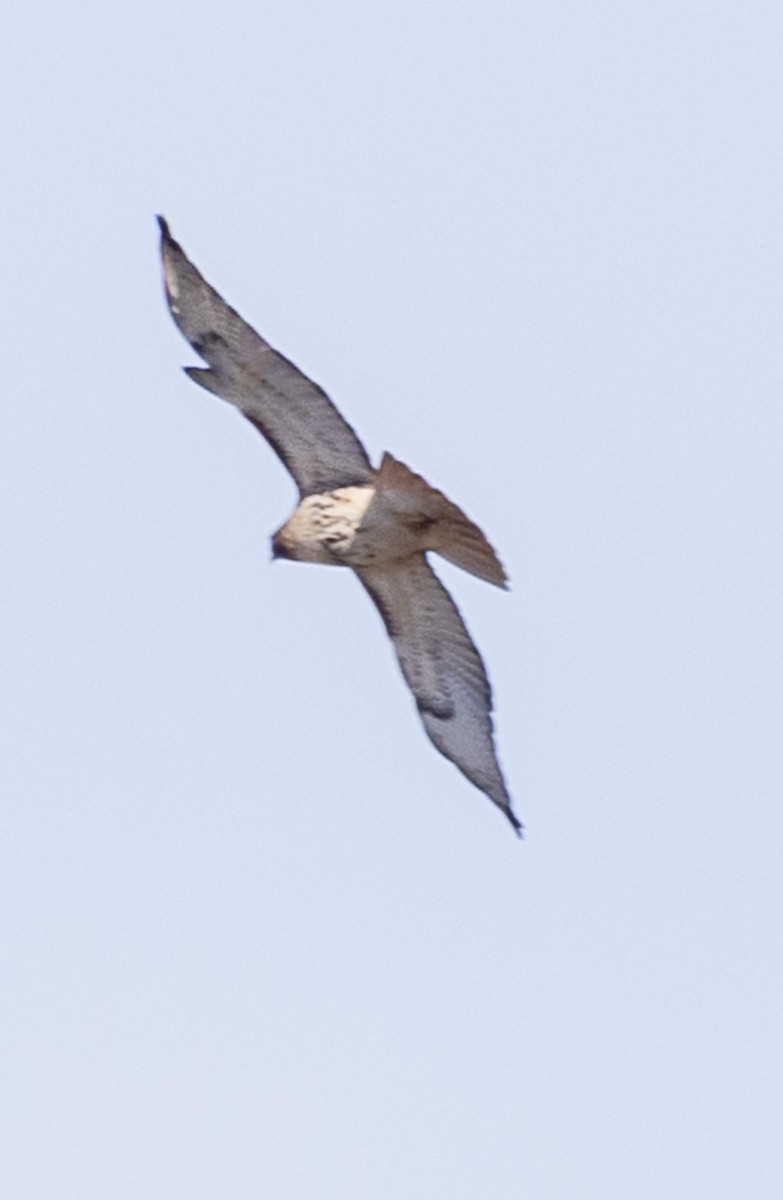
column 443, row 669
column 295, row 415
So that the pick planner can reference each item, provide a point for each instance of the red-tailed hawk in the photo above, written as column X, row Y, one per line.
column 380, row 523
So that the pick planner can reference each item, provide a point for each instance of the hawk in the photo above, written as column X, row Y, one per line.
column 381, row 523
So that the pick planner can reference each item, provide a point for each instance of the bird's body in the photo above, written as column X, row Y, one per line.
column 324, row 528
column 380, row 523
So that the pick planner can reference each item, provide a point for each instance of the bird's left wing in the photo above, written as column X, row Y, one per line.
column 443, row 669
column 295, row 415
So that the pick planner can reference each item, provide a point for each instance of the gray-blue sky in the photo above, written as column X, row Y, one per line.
column 257, row 936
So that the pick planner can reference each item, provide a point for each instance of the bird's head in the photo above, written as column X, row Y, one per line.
column 282, row 546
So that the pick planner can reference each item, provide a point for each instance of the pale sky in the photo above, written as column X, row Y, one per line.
column 257, row 938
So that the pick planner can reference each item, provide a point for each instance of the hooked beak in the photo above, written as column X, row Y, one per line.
column 279, row 547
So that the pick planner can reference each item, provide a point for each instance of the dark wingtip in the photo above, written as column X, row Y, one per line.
column 517, row 825
column 163, row 225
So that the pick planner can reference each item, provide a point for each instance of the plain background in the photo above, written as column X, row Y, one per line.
column 258, row 938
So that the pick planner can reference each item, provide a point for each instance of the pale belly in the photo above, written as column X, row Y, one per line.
column 339, row 527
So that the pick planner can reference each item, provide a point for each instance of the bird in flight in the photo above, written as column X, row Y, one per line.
column 379, row 522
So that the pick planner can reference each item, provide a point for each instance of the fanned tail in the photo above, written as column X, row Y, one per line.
column 445, row 528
